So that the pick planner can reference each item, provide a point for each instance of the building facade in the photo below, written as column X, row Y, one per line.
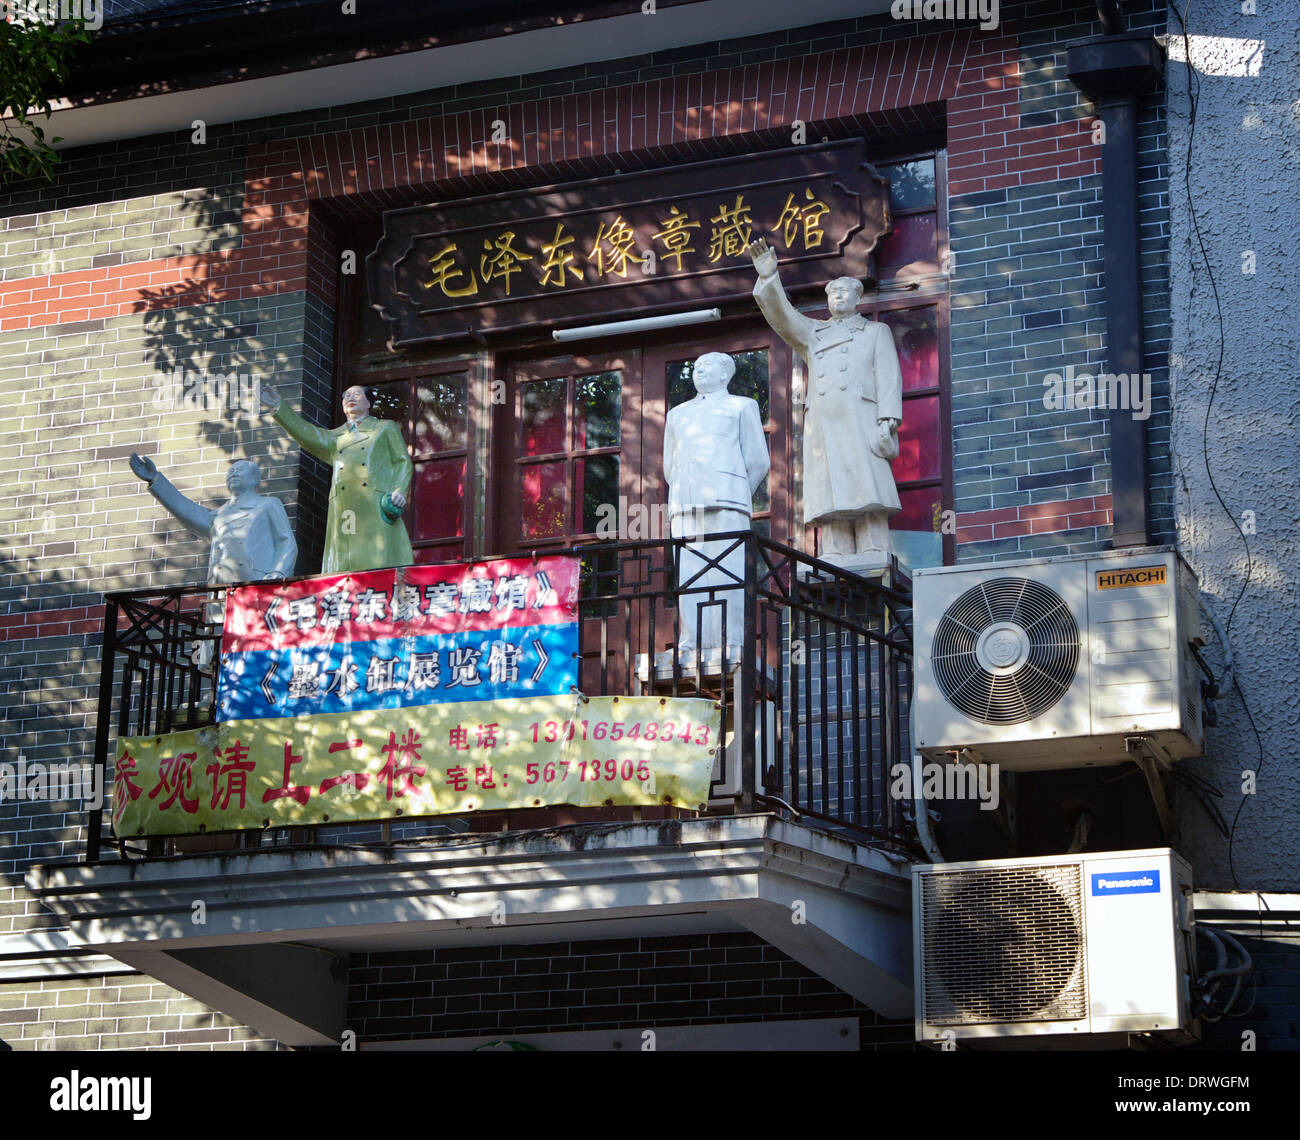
column 215, row 234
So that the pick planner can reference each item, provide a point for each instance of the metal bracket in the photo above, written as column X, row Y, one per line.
column 1154, row 761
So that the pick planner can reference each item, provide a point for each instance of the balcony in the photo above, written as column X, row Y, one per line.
column 813, row 700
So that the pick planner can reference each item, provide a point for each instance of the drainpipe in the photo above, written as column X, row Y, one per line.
column 1113, row 69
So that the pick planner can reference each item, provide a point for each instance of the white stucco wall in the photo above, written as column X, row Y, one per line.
column 1244, row 196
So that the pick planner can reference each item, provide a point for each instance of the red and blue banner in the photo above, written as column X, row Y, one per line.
column 389, row 639
column 420, row 690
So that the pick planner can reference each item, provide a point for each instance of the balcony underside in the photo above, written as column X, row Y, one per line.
column 279, row 921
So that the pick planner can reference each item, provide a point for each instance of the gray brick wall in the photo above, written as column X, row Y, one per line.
column 1270, row 1000
column 96, row 235
column 1026, row 302
column 121, row 1012
column 569, row 986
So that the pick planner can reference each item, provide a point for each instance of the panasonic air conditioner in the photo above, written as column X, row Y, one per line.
column 1079, row 950
column 1058, row 662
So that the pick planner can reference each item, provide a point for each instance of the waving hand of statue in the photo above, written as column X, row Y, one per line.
column 144, row 467
column 763, row 256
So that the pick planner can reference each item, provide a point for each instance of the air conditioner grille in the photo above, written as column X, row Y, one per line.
column 1003, row 945
column 1006, row 651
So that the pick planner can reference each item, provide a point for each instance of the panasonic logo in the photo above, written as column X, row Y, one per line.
column 1126, row 883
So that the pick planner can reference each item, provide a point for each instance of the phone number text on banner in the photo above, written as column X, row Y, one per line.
column 385, row 639
column 425, row 760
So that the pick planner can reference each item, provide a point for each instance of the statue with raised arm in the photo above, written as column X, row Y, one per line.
column 715, row 458
column 250, row 534
column 853, row 409
column 370, row 476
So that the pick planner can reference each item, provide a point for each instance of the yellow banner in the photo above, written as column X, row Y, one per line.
column 425, row 760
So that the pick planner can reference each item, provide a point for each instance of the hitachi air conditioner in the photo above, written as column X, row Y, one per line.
column 1058, row 948
column 1056, row 662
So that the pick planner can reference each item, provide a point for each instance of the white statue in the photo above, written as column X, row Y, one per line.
column 715, row 458
column 854, row 409
column 250, row 534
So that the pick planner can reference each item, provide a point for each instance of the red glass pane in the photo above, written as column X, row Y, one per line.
column 439, row 499
column 440, row 414
column 916, row 339
column 911, row 249
column 918, row 441
column 543, row 420
column 541, row 487
column 428, row 555
column 922, row 510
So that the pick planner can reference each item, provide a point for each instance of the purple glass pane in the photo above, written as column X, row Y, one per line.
column 918, row 441
column 439, row 499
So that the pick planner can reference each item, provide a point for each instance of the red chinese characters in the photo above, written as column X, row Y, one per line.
column 125, row 789
column 176, row 777
column 392, row 770
column 301, row 792
column 233, row 766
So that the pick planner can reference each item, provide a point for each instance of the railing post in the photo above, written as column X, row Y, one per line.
column 745, row 713
column 99, row 763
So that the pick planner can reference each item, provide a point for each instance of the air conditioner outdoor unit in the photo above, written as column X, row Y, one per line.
column 1056, row 662
column 1060, row 947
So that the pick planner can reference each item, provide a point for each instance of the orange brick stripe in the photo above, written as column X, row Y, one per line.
column 1040, row 518
column 73, row 620
column 142, row 286
column 974, row 77
column 51, row 623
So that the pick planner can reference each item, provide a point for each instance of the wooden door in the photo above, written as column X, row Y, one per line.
column 568, row 459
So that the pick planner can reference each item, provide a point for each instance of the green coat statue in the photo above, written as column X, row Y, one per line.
column 371, row 473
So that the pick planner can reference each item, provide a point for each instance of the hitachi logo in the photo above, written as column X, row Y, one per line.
column 1123, row 579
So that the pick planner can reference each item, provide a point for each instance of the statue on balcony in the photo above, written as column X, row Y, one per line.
column 371, row 473
column 854, row 407
column 715, row 458
column 250, row 534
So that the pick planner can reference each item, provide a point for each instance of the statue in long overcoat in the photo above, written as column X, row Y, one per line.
column 371, row 473
column 853, row 409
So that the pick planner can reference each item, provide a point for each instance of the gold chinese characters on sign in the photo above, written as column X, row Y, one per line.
column 558, row 255
column 649, row 241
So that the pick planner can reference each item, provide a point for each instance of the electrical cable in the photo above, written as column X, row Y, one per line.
column 1200, row 792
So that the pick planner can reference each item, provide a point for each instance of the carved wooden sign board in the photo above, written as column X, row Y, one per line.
column 634, row 245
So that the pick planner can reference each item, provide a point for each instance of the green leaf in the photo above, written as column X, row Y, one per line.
column 33, row 63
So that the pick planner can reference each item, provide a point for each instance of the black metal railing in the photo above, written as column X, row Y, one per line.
column 810, row 664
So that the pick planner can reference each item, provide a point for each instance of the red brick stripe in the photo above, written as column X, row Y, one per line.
column 1040, row 518
column 73, row 620
column 51, row 623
